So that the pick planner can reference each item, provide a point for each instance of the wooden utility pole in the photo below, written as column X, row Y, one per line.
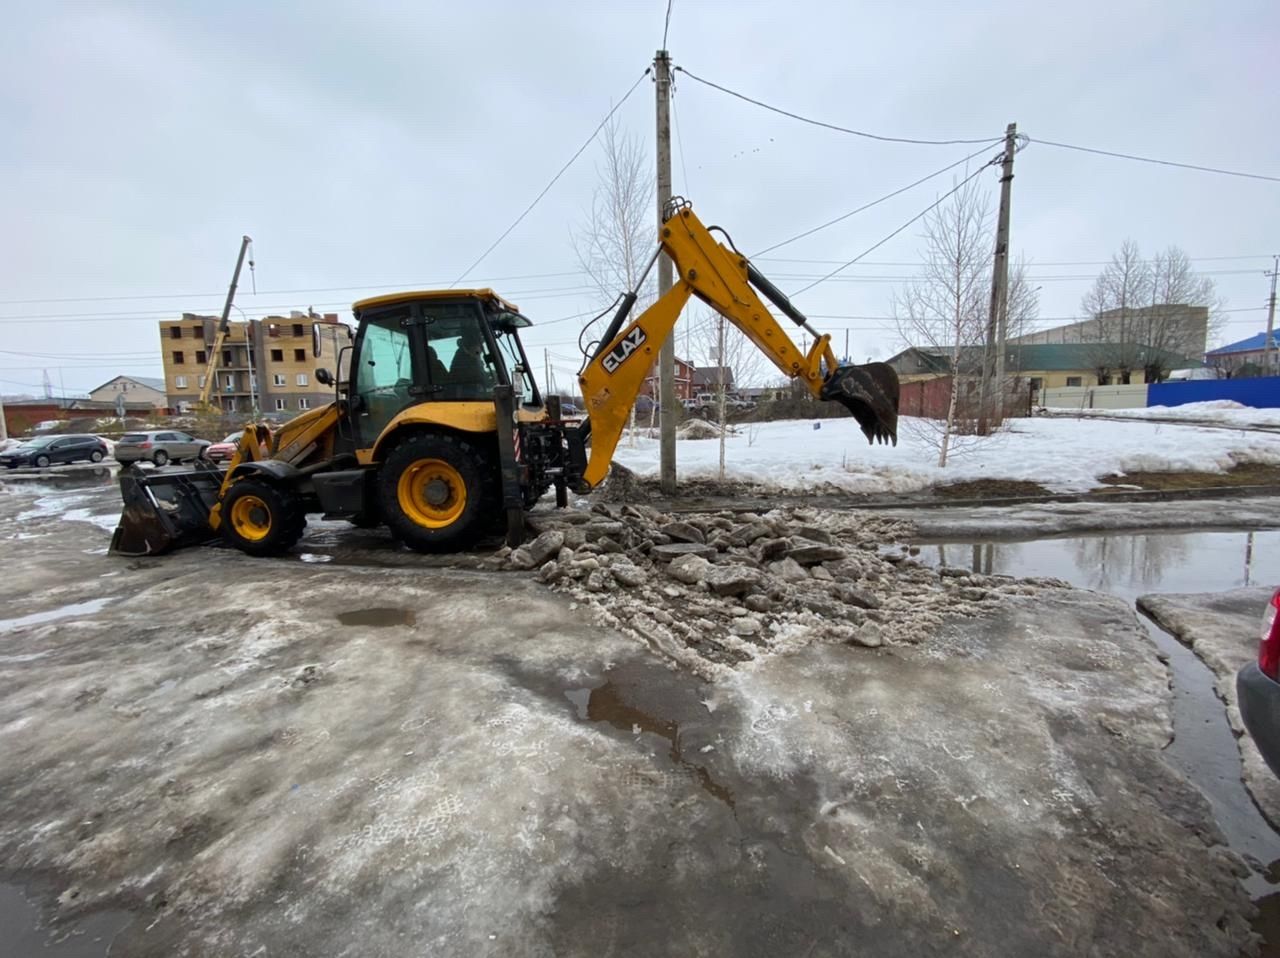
column 667, row 355
column 1268, row 350
column 998, row 317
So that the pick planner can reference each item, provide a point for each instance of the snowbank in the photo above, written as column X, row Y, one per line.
column 1062, row 454
column 1223, row 412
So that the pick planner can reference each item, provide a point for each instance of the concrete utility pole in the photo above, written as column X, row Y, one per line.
column 1267, row 348
column 667, row 355
column 998, row 317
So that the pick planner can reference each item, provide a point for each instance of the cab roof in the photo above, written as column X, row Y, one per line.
column 413, row 296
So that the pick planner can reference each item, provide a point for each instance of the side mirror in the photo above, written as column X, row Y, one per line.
column 324, row 377
column 315, row 340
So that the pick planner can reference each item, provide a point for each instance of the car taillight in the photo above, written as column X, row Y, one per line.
column 1269, row 647
column 144, row 445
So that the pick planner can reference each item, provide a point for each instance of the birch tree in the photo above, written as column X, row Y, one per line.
column 944, row 310
column 616, row 235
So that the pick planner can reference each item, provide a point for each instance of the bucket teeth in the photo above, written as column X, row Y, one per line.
column 870, row 392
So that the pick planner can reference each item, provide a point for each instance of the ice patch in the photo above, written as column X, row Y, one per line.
column 88, row 607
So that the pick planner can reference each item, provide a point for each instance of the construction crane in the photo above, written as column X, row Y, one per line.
column 224, row 326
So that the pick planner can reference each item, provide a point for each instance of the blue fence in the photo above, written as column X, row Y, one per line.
column 1261, row 393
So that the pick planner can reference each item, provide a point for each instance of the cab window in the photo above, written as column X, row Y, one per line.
column 460, row 363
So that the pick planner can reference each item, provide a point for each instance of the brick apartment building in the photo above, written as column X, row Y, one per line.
column 266, row 364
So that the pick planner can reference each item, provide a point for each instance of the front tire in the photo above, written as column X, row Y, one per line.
column 160, row 458
column 261, row 519
column 42, row 462
column 437, row 492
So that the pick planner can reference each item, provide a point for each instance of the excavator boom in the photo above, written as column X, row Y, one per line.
column 726, row 281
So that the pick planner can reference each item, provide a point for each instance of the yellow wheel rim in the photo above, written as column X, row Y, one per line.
column 251, row 518
column 432, row 493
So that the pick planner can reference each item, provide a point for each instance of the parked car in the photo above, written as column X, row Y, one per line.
column 224, row 450
column 159, row 446
column 50, row 450
column 1258, row 688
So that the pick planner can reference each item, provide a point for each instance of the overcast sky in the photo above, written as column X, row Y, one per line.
column 373, row 146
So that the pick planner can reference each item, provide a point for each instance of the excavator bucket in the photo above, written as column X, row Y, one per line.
column 870, row 392
column 165, row 510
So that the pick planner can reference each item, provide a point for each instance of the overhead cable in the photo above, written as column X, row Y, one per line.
column 1150, row 159
column 546, row 189
column 833, row 126
column 870, row 249
column 867, row 206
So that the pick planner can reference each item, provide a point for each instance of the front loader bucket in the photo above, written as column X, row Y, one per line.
column 870, row 392
column 165, row 510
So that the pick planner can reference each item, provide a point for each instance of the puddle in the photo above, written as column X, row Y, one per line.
column 53, row 615
column 378, row 617
column 606, row 703
column 1204, row 748
column 89, row 937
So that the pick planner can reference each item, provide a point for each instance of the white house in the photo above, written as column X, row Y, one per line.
column 135, row 389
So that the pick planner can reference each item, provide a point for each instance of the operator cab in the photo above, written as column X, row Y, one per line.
column 436, row 346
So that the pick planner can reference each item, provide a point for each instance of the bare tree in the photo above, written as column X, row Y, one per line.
column 1144, row 312
column 944, row 311
column 1114, row 301
column 616, row 235
column 736, row 362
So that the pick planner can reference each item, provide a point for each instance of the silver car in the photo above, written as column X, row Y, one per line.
column 160, row 446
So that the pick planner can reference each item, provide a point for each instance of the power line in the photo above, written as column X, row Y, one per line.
column 546, row 189
column 666, row 25
column 833, row 126
column 1149, row 159
column 876, row 202
column 675, row 116
column 870, row 249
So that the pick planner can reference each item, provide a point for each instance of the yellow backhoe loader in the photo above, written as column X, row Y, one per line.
column 440, row 432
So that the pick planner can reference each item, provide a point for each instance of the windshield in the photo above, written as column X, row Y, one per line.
column 39, row 441
column 513, row 356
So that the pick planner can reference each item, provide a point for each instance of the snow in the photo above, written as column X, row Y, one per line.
column 1226, row 412
column 1062, row 454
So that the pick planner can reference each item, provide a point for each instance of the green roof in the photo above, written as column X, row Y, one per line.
column 1064, row 357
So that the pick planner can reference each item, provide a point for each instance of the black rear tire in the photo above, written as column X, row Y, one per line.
column 261, row 519
column 95, row 456
column 446, row 468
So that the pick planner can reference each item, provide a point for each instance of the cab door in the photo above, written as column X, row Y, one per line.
column 387, row 371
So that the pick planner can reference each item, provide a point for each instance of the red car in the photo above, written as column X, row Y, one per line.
column 1258, row 688
column 222, row 451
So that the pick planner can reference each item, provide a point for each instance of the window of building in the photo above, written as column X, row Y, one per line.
column 178, row 358
column 278, row 379
column 302, row 379
column 175, row 332
column 201, row 357
column 277, row 355
column 200, row 382
column 298, row 330
column 1036, row 383
column 180, row 382
column 280, row 405
column 304, row 403
column 1074, row 381
column 226, row 357
column 197, row 332
column 299, row 355
column 229, row 382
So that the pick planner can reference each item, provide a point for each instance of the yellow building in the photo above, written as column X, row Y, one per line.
column 266, row 365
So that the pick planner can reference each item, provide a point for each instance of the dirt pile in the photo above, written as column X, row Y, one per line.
column 714, row 591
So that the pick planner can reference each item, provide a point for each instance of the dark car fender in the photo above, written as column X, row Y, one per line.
column 1259, row 698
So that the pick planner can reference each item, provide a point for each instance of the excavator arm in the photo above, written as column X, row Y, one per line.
column 726, row 281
